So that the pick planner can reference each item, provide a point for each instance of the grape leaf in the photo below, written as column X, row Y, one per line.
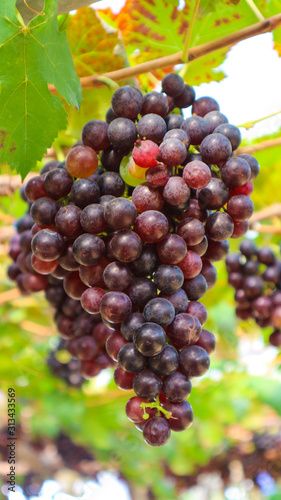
column 155, row 28
column 31, row 57
column 94, row 48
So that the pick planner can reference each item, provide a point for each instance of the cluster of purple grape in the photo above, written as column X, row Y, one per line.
column 255, row 274
column 82, row 335
column 138, row 255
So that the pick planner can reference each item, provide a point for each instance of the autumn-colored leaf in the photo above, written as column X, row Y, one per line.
column 154, row 28
column 92, row 45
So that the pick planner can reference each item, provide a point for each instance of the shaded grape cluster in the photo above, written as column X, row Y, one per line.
column 127, row 229
column 255, row 274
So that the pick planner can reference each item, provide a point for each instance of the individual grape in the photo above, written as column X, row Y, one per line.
column 58, row 183
column 191, row 265
column 89, row 368
column 43, row 267
column 182, row 415
column 35, row 189
column 236, row 280
column 13, row 271
column 111, row 158
column 214, row 196
column 194, row 361
column 24, row 223
column 93, row 275
column 178, row 299
column 240, row 207
column 186, row 98
column 88, row 249
column 194, row 211
column 214, row 119
column 122, row 133
column 231, row 132
column 219, row 226
column 54, row 295
column 149, row 339
column 272, row 274
column 191, row 230
column 145, row 198
column 275, row 318
column 254, row 165
column 241, row 299
column 126, row 245
column 151, row 226
column 233, row 260
column 47, row 245
column 250, row 267
column 172, row 152
column 171, row 249
column 111, row 183
column 196, row 174
column 204, row 105
column 114, row 344
column 145, row 153
column 120, row 213
column 110, row 115
column 198, row 310
column 176, row 387
column 122, row 379
column 134, row 410
column 209, row 272
column 173, row 84
column 91, row 298
column 50, row 165
column 147, row 384
column 43, row 211
column 60, row 273
column 83, row 324
column 262, row 307
column 117, row 276
column 207, row 341
column 131, row 325
column 195, row 288
column 168, row 278
column 137, row 173
column 156, row 431
column 215, row 149
column 25, row 241
column 152, row 127
column 196, row 128
column 166, row 362
column 71, row 307
column 115, row 307
column 35, row 282
column 84, row 192
column 158, row 175
column 86, row 348
column 127, row 102
column 235, row 172
column 240, row 228
column 159, row 311
column 178, row 134
column 81, row 161
column 184, row 330
column 253, row 286
column 275, row 338
column 92, row 219
column 130, row 359
column 141, row 290
column 153, row 102
column 200, row 248
column 65, row 327
column 265, row 256
column 67, row 221
column 73, row 285
column 173, row 121
column 94, row 135
column 176, row 191
column 246, row 189
column 146, row 263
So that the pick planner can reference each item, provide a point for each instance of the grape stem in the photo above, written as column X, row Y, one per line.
column 265, row 26
column 269, row 143
column 251, row 123
column 156, row 405
column 255, row 9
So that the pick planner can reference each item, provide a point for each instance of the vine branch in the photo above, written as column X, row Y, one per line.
column 268, row 25
column 269, row 143
column 273, row 210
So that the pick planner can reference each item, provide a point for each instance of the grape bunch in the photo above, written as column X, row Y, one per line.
column 130, row 224
column 255, row 274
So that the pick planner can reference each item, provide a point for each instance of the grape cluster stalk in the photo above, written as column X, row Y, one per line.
column 255, row 274
column 128, row 227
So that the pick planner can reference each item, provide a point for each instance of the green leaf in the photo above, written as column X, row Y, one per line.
column 31, row 57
